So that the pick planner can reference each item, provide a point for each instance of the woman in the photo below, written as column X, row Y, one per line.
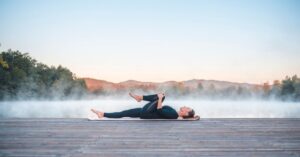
column 152, row 110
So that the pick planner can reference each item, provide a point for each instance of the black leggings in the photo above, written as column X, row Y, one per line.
column 147, row 112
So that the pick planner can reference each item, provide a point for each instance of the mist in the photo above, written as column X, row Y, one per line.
column 204, row 108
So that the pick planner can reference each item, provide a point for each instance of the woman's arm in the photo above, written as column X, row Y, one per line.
column 166, row 112
column 159, row 103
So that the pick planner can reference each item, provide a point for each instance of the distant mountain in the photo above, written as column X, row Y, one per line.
column 197, row 89
column 94, row 84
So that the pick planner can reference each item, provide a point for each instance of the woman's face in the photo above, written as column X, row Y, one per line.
column 183, row 111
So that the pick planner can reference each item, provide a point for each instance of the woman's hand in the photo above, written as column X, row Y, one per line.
column 160, row 95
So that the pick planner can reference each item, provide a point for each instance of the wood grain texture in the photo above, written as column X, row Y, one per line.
column 207, row 137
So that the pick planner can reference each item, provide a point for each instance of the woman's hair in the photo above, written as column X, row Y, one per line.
column 191, row 114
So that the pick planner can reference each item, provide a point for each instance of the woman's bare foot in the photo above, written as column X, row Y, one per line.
column 136, row 97
column 98, row 113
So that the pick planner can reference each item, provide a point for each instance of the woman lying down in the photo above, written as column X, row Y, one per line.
column 154, row 109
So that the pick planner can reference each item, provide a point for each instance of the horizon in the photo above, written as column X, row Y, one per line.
column 270, row 83
column 235, row 41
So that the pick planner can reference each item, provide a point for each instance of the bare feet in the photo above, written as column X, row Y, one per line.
column 136, row 97
column 98, row 113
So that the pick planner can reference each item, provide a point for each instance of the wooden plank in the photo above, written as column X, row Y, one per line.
column 207, row 137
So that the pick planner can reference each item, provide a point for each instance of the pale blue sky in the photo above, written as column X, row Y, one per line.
column 242, row 41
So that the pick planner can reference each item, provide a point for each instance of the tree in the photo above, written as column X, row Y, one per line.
column 199, row 86
column 276, row 89
column 287, row 88
column 296, row 85
column 22, row 77
column 266, row 89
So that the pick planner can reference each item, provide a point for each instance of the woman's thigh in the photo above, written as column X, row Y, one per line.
column 151, row 106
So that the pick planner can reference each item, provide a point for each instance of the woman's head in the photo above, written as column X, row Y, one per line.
column 186, row 112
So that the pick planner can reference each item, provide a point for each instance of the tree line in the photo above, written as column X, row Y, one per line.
column 287, row 89
column 22, row 77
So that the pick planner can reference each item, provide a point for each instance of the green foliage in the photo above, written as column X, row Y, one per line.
column 290, row 88
column 3, row 63
column 22, row 77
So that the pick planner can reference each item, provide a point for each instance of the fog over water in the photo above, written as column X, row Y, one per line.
column 204, row 108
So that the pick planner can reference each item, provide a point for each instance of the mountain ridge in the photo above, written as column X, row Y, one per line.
column 96, row 84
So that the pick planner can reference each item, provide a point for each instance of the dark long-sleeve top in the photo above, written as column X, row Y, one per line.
column 167, row 112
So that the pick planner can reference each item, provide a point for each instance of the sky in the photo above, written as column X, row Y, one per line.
column 251, row 41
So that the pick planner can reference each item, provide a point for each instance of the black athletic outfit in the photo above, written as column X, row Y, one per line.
column 149, row 111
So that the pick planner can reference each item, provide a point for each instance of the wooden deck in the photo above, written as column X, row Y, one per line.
column 207, row 137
